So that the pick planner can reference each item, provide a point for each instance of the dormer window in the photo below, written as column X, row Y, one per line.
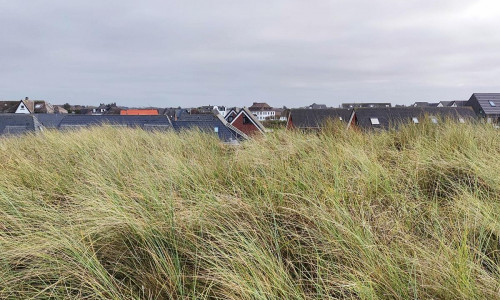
column 374, row 121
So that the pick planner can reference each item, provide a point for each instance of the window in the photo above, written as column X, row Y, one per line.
column 246, row 120
column 340, row 118
column 415, row 120
column 434, row 120
column 230, row 119
column 374, row 121
column 492, row 103
column 216, row 129
column 461, row 120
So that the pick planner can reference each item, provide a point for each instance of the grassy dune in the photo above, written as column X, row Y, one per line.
column 125, row 214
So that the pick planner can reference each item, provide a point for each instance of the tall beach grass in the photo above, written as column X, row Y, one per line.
column 110, row 213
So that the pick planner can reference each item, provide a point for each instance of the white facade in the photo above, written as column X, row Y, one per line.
column 263, row 115
column 22, row 109
column 222, row 110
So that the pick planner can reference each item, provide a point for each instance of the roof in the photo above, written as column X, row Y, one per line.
column 425, row 104
column 366, row 104
column 314, row 118
column 484, row 101
column 9, row 106
column 259, row 106
column 139, row 112
column 211, row 124
column 385, row 117
column 50, row 120
column 16, row 123
column 39, row 106
column 145, row 122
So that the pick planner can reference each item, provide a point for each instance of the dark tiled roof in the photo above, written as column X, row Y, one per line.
column 460, row 103
column 387, row 117
column 207, row 123
column 16, row 123
column 9, row 106
column 484, row 101
column 314, row 118
column 146, row 122
column 257, row 106
column 50, row 120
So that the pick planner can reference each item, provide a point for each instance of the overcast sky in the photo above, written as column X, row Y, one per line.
column 230, row 52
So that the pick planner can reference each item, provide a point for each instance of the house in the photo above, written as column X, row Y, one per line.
column 205, row 122
column 305, row 118
column 13, row 107
column 139, row 112
column 425, row 104
column 209, row 110
column 262, row 111
column 247, row 122
column 231, row 113
column 317, row 106
column 486, row 105
column 384, row 118
column 59, row 109
column 368, row 104
column 14, row 124
column 452, row 103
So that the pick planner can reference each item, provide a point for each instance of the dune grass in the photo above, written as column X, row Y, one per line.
column 109, row 213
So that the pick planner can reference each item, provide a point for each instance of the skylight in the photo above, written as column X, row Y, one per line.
column 374, row 121
column 461, row 120
column 492, row 103
column 434, row 120
column 340, row 118
column 415, row 120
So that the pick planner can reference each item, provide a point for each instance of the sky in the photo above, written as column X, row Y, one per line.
column 230, row 52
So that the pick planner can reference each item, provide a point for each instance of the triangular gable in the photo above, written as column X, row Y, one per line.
column 252, row 119
column 23, row 108
column 232, row 112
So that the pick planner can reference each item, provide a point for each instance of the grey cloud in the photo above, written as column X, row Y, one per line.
column 171, row 53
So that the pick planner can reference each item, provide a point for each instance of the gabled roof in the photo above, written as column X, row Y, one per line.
column 370, row 118
column 231, row 111
column 484, row 101
column 16, row 123
column 9, row 106
column 212, row 124
column 314, row 118
column 50, row 120
column 252, row 119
